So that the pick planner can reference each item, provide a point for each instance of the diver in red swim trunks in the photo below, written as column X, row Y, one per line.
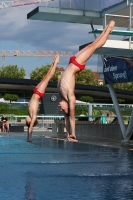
column 38, row 93
column 66, row 84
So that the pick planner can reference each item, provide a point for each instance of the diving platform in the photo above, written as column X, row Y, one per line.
column 114, row 32
column 84, row 12
column 65, row 15
column 116, row 48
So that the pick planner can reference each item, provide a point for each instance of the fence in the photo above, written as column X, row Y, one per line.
column 46, row 121
column 100, row 127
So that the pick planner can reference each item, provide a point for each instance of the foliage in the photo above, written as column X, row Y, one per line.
column 7, row 109
column 96, row 112
column 124, row 112
column 11, row 97
column 86, row 77
column 4, row 108
column 121, row 100
column 84, row 111
column 81, row 110
column 12, row 71
column 39, row 73
column 121, row 86
column 86, row 99
column 17, row 111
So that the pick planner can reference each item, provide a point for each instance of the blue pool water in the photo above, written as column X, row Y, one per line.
column 49, row 169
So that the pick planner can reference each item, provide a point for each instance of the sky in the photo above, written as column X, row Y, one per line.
column 19, row 33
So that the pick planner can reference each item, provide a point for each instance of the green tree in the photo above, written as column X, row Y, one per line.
column 123, row 86
column 6, row 108
column 121, row 100
column 81, row 110
column 12, row 71
column 86, row 77
column 11, row 97
column 39, row 73
column 86, row 99
column 84, row 111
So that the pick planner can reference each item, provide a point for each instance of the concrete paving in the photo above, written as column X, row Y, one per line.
column 43, row 132
column 99, row 142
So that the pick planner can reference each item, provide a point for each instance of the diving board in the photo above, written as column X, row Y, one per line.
column 114, row 48
column 114, row 32
column 65, row 15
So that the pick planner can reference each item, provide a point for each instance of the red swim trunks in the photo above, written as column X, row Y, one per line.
column 35, row 91
column 73, row 61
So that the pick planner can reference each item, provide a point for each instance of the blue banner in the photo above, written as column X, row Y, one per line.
column 117, row 70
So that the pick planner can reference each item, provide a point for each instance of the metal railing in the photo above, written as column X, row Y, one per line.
column 92, row 5
column 46, row 121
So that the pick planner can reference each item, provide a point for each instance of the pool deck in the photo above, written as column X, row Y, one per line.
column 95, row 141
column 100, row 142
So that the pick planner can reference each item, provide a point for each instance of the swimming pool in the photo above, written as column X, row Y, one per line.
column 49, row 169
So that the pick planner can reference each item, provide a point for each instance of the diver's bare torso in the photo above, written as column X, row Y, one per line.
column 33, row 105
column 66, row 83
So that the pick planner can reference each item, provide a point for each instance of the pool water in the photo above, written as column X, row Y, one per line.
column 49, row 169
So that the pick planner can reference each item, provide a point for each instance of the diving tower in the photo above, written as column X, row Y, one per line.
column 97, row 13
column 85, row 12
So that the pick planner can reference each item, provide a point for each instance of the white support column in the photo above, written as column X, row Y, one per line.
column 117, row 109
column 90, row 111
